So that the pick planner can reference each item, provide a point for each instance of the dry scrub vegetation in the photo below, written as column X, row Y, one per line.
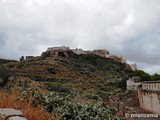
column 9, row 100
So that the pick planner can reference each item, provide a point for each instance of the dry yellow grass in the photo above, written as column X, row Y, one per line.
column 31, row 113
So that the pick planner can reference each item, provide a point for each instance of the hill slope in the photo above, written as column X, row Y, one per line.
column 85, row 78
column 76, row 72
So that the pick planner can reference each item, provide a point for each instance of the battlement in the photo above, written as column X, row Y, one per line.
column 149, row 96
column 151, row 85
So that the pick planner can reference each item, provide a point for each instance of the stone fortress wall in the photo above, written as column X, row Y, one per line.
column 149, row 96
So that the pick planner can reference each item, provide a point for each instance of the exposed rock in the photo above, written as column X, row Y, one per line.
column 10, row 111
column 11, row 114
column 17, row 118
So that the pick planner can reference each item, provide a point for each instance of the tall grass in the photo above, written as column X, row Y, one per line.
column 9, row 100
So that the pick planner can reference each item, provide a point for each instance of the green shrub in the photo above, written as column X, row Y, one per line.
column 64, row 109
column 4, row 75
column 51, row 70
column 129, row 93
column 94, row 97
column 59, row 89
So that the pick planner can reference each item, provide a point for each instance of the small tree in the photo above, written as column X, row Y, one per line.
column 155, row 77
column 4, row 75
column 121, row 84
column 143, row 75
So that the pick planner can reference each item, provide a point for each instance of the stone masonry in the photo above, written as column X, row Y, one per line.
column 149, row 96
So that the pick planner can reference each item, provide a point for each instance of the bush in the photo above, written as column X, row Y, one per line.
column 121, row 84
column 58, row 89
column 51, row 70
column 155, row 77
column 92, row 96
column 143, row 75
column 66, row 110
column 129, row 93
column 43, row 79
column 104, row 95
column 96, row 111
column 4, row 75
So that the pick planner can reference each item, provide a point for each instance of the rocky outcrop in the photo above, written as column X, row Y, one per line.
column 11, row 114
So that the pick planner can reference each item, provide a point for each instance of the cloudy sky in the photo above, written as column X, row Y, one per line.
column 129, row 28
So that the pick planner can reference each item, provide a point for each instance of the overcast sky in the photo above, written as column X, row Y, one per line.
column 129, row 28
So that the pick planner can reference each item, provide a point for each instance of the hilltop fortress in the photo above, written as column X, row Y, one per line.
column 101, row 52
column 63, row 51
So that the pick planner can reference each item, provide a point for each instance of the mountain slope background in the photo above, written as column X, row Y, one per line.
column 3, row 61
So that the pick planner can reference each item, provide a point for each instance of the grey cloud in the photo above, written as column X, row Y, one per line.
column 144, row 47
column 2, row 39
column 125, row 27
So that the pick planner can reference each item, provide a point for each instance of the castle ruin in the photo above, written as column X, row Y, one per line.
column 63, row 52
